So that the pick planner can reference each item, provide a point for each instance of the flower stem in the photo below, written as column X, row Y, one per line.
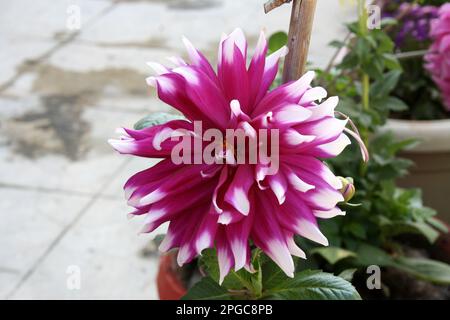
column 365, row 79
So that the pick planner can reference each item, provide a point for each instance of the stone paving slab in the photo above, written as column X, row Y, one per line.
column 104, row 245
column 29, row 29
column 31, row 222
column 61, row 149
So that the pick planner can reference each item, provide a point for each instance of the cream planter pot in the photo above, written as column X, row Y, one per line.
column 431, row 156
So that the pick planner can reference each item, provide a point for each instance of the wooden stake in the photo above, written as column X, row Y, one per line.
column 299, row 38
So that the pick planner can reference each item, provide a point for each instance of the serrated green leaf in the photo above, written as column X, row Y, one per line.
column 333, row 254
column 313, row 285
column 207, row 289
column 272, row 275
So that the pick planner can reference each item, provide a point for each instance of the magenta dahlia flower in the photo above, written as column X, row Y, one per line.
column 229, row 205
column 438, row 56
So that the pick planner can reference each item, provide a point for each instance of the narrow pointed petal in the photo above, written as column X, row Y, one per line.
column 205, row 94
column 290, row 114
column 292, row 246
column 256, row 70
column 224, row 255
column 325, row 109
column 268, row 235
column 292, row 138
column 279, row 185
column 270, row 72
column 237, row 235
column 298, row 218
column 151, row 142
column 311, row 95
column 237, row 193
column 285, row 94
column 329, row 213
column 232, row 73
column 331, row 149
column 314, row 167
column 198, row 60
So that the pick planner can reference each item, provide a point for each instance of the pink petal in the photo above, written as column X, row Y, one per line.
column 285, row 94
column 256, row 70
column 199, row 60
column 268, row 235
column 224, row 254
column 237, row 193
column 232, row 73
column 205, row 95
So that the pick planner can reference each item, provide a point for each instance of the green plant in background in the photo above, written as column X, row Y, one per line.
column 370, row 233
column 412, row 40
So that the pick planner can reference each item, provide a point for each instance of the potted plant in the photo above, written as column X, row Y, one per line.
column 420, row 35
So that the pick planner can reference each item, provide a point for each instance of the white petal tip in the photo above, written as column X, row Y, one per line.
column 151, row 81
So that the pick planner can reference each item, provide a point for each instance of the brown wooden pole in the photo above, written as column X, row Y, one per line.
column 300, row 29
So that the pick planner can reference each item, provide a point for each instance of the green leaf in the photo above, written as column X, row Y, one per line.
column 348, row 274
column 155, row 119
column 277, row 41
column 356, row 229
column 207, row 289
column 333, row 254
column 435, row 223
column 396, row 228
column 391, row 61
column 383, row 87
column 388, row 22
column 314, row 285
column 337, row 44
column 369, row 255
column 158, row 239
column 209, row 262
column 272, row 275
column 395, row 104
column 425, row 269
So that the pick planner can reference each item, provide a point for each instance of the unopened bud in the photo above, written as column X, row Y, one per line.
column 348, row 188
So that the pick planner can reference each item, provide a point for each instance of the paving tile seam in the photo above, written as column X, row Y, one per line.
column 64, row 232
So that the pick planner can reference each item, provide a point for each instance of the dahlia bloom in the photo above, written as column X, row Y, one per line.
column 438, row 56
column 230, row 206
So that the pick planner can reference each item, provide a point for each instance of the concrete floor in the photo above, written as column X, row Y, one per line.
column 62, row 94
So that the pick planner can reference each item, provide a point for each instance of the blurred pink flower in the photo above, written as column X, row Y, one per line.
column 227, row 205
column 438, row 56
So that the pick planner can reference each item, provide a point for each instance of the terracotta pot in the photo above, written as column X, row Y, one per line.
column 170, row 286
column 431, row 156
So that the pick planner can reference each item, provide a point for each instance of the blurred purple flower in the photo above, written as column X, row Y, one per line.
column 414, row 21
column 438, row 56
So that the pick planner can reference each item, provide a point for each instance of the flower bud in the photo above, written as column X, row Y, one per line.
column 348, row 188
